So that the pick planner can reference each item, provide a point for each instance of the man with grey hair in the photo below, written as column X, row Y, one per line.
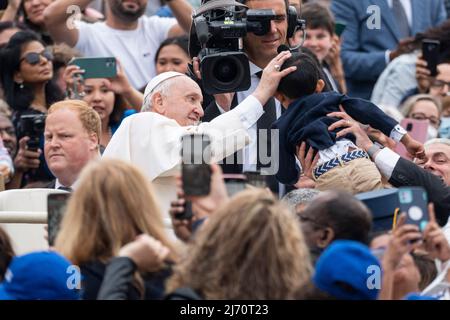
column 152, row 140
column 298, row 199
column 437, row 159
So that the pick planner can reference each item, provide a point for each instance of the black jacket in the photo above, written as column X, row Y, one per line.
column 306, row 120
column 406, row 173
column 115, row 281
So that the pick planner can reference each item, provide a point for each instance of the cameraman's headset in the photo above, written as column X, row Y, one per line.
column 293, row 22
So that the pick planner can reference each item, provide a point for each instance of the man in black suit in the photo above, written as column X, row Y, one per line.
column 401, row 172
column 72, row 136
column 260, row 50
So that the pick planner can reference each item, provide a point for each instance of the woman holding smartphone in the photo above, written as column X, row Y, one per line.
column 112, row 98
column 26, row 72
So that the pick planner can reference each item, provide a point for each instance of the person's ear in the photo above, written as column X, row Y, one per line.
column 320, row 85
column 18, row 77
column 94, row 141
column 325, row 238
column 157, row 103
column 280, row 97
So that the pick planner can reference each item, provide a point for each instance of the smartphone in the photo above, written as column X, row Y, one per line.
column 234, row 183
column 187, row 213
column 339, row 28
column 195, row 168
column 417, row 129
column 414, row 202
column 100, row 67
column 56, row 206
column 430, row 53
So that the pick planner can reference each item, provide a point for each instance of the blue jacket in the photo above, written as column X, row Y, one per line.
column 306, row 120
column 363, row 48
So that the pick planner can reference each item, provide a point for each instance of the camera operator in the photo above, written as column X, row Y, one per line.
column 260, row 50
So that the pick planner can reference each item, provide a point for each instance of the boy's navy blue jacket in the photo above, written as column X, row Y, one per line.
column 306, row 120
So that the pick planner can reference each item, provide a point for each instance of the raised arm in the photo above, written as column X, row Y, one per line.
column 60, row 17
column 182, row 11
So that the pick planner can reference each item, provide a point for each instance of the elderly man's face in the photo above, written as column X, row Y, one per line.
column 184, row 103
column 437, row 161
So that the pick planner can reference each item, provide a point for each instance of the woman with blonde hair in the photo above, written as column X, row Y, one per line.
column 112, row 205
column 251, row 248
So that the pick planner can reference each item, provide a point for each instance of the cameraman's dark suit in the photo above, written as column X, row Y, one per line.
column 231, row 165
column 406, row 173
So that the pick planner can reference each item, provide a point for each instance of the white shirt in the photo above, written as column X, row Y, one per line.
column 342, row 146
column 386, row 160
column 58, row 185
column 152, row 142
column 135, row 49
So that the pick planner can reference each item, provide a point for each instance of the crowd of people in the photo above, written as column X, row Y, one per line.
column 351, row 106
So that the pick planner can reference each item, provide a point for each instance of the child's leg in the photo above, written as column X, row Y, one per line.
column 356, row 176
column 364, row 175
column 335, row 179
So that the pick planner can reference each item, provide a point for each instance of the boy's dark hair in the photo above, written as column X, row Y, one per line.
column 303, row 81
column 318, row 17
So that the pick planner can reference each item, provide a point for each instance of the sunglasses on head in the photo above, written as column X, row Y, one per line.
column 34, row 57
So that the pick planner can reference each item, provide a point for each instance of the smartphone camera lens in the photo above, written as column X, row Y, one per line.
column 415, row 213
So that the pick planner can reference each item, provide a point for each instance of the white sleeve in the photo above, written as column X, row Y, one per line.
column 229, row 131
column 386, row 160
column 159, row 26
column 84, row 34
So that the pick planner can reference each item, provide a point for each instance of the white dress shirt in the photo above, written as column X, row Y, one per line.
column 59, row 184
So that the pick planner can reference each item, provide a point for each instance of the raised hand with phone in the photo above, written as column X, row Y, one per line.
column 110, row 68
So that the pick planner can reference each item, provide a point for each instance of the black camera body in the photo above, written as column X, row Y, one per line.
column 32, row 126
column 216, row 37
column 218, row 30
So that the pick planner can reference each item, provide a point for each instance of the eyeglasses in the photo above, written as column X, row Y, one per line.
column 439, row 84
column 435, row 122
column 34, row 57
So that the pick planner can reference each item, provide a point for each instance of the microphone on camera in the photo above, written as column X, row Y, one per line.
column 282, row 48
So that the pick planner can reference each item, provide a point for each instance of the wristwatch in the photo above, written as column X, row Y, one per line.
column 374, row 149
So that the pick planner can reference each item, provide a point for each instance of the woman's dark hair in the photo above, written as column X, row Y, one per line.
column 20, row 99
column 6, row 253
column 440, row 33
column 181, row 42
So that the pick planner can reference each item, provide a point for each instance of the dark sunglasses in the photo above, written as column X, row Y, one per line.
column 34, row 57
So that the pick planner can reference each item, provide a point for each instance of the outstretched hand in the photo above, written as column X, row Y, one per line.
column 271, row 76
